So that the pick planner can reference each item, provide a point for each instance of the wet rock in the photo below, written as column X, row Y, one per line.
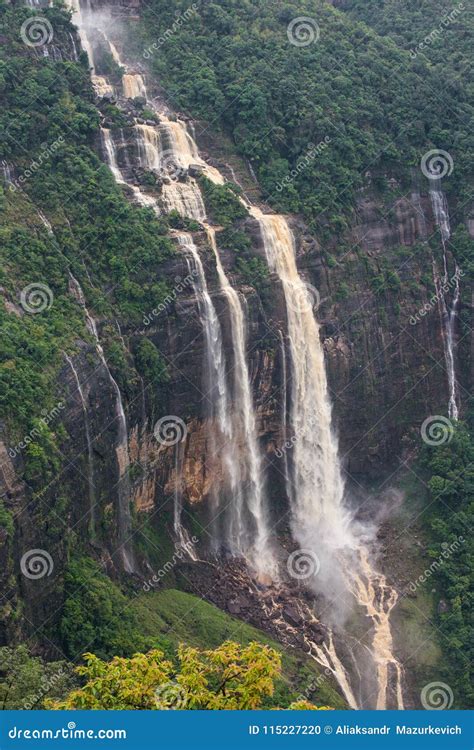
column 292, row 615
column 195, row 170
column 139, row 102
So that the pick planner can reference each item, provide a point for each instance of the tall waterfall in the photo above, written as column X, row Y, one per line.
column 318, row 512
column 260, row 552
column 320, row 520
column 441, row 214
column 321, row 524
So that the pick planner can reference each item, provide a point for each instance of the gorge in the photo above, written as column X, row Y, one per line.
column 230, row 424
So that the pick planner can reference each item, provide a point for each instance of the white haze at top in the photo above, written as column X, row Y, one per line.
column 321, row 522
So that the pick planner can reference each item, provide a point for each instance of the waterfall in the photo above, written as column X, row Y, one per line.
column 121, row 448
column 111, row 154
column 219, row 411
column 223, row 448
column 315, row 464
column 320, row 522
column 178, row 143
column 259, row 553
column 46, row 223
column 449, row 315
column 7, row 172
column 90, row 452
column 184, row 198
column 148, row 146
column 216, row 385
column 79, row 21
column 133, row 86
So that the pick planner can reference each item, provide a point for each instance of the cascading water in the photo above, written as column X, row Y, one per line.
column 216, row 396
column 133, row 86
column 260, row 553
column 449, row 314
column 121, row 448
column 170, row 162
column 110, row 151
column 320, row 522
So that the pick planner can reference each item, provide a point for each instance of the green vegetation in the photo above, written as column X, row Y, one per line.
column 48, row 128
column 149, row 362
column 98, row 616
column 324, row 113
column 26, row 681
column 451, row 494
column 229, row 678
column 222, row 205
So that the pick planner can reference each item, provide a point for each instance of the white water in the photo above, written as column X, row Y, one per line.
column 111, row 154
column 259, row 553
column 133, row 85
column 318, row 512
column 221, row 448
column 7, row 172
column 319, row 519
column 180, row 196
column 441, row 214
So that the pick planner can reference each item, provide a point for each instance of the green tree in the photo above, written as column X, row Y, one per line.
column 230, row 677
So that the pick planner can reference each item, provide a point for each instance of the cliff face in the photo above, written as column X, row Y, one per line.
column 384, row 375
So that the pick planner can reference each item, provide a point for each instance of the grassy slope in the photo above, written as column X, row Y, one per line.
column 180, row 617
